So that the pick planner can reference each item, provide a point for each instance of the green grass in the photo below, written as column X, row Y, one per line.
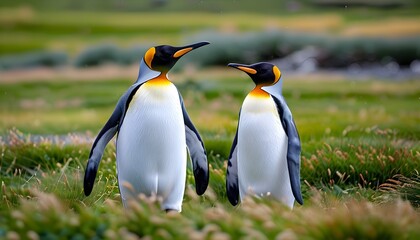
column 360, row 154
column 53, row 196
column 357, row 136
column 27, row 29
column 58, row 107
column 263, row 6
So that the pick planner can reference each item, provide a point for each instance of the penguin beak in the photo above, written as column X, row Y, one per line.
column 185, row 49
column 245, row 68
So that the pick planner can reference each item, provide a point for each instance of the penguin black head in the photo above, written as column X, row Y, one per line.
column 162, row 58
column 263, row 73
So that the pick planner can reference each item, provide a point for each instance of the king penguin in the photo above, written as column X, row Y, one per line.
column 265, row 154
column 154, row 133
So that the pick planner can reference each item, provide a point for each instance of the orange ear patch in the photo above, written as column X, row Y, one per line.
column 248, row 70
column 148, row 56
column 181, row 52
column 277, row 73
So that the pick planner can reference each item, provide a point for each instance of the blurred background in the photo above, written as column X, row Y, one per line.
column 377, row 38
column 64, row 63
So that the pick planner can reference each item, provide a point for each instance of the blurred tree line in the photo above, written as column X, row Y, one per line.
column 263, row 6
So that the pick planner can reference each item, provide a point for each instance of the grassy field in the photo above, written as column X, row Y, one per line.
column 360, row 157
column 360, row 138
column 25, row 29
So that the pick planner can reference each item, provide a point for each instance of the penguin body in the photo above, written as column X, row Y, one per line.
column 154, row 133
column 262, row 145
column 264, row 159
column 153, row 128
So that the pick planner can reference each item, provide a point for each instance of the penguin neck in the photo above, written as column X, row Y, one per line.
column 162, row 79
column 258, row 92
column 279, row 85
column 145, row 73
column 275, row 89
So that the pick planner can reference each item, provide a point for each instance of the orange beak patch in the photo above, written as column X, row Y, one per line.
column 248, row 70
column 182, row 52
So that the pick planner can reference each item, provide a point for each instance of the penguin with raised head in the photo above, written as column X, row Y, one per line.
column 265, row 154
column 154, row 134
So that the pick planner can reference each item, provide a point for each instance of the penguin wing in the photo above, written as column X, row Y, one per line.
column 197, row 152
column 232, row 187
column 293, row 146
column 104, row 136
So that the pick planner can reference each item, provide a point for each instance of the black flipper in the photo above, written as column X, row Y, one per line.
column 105, row 135
column 232, row 186
column 197, row 152
column 294, row 147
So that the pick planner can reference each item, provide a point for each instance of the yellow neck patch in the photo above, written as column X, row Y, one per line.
column 148, row 56
column 160, row 80
column 259, row 93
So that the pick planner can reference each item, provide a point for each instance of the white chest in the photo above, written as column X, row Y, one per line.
column 262, row 147
column 260, row 133
column 153, row 119
column 151, row 147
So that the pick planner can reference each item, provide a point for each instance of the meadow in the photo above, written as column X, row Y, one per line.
column 360, row 162
column 26, row 28
column 360, row 137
